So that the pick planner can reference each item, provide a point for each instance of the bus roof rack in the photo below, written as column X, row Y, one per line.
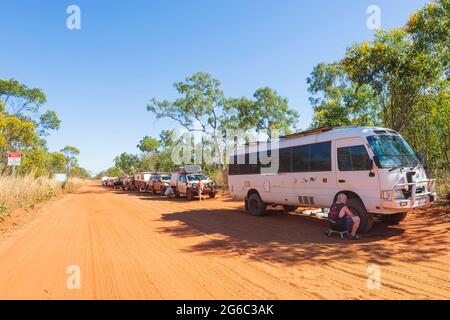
column 306, row 133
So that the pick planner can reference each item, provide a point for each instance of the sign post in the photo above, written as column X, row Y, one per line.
column 14, row 160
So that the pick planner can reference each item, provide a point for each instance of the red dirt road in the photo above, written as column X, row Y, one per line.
column 131, row 246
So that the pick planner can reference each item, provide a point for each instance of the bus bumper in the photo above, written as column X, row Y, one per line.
column 419, row 201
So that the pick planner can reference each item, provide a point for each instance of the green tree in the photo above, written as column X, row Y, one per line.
column 200, row 108
column 80, row 172
column 337, row 102
column 430, row 31
column 35, row 160
column 273, row 112
column 399, row 80
column 167, row 139
column 58, row 162
column 127, row 163
column 203, row 108
column 200, row 104
column 71, row 154
column 240, row 114
column 25, row 103
column 48, row 121
column 408, row 83
column 149, row 145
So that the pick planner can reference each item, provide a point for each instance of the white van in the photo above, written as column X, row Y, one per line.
column 375, row 167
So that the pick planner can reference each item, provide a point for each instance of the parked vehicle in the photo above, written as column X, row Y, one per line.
column 374, row 167
column 111, row 182
column 141, row 181
column 104, row 181
column 126, row 183
column 185, row 182
column 118, row 183
column 160, row 183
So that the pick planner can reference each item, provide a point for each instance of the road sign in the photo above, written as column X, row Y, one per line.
column 14, row 158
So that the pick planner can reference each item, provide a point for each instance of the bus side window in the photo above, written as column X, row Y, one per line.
column 285, row 160
column 301, row 159
column 353, row 159
column 233, row 167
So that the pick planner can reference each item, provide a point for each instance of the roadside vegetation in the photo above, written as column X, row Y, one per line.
column 24, row 126
column 29, row 190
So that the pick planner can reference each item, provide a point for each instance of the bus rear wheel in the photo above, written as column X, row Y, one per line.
column 359, row 209
column 288, row 208
column 256, row 206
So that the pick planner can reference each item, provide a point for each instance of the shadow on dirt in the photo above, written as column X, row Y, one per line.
column 293, row 239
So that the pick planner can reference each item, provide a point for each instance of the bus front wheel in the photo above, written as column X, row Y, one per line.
column 359, row 209
column 393, row 219
column 256, row 206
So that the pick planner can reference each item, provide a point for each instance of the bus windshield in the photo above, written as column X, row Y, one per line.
column 392, row 151
column 196, row 177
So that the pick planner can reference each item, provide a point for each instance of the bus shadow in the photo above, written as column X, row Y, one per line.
column 292, row 239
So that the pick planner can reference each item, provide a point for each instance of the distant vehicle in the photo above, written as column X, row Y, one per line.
column 141, row 181
column 111, row 182
column 126, row 183
column 374, row 167
column 104, row 181
column 160, row 183
column 185, row 182
column 118, row 183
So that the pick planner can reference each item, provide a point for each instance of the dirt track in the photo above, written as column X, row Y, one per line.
column 131, row 246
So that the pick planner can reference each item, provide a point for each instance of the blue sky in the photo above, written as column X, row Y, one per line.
column 100, row 78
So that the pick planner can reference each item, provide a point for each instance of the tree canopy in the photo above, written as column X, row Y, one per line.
column 399, row 80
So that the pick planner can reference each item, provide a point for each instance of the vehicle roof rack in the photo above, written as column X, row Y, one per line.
column 306, row 133
column 189, row 169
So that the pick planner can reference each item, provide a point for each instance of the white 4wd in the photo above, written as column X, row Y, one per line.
column 189, row 185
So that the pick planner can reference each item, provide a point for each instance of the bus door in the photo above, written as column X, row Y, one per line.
column 355, row 170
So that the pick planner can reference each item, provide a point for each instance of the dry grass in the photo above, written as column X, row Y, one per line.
column 24, row 191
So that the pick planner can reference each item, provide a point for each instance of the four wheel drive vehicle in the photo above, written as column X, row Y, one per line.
column 160, row 183
column 128, row 183
column 110, row 182
column 118, row 183
column 104, row 181
column 375, row 167
column 141, row 181
column 187, row 180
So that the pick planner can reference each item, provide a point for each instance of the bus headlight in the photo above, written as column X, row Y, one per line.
column 392, row 194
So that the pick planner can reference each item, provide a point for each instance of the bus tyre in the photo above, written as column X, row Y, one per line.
column 393, row 219
column 290, row 208
column 189, row 195
column 359, row 209
column 256, row 206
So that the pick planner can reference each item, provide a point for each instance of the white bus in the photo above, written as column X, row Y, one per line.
column 374, row 167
